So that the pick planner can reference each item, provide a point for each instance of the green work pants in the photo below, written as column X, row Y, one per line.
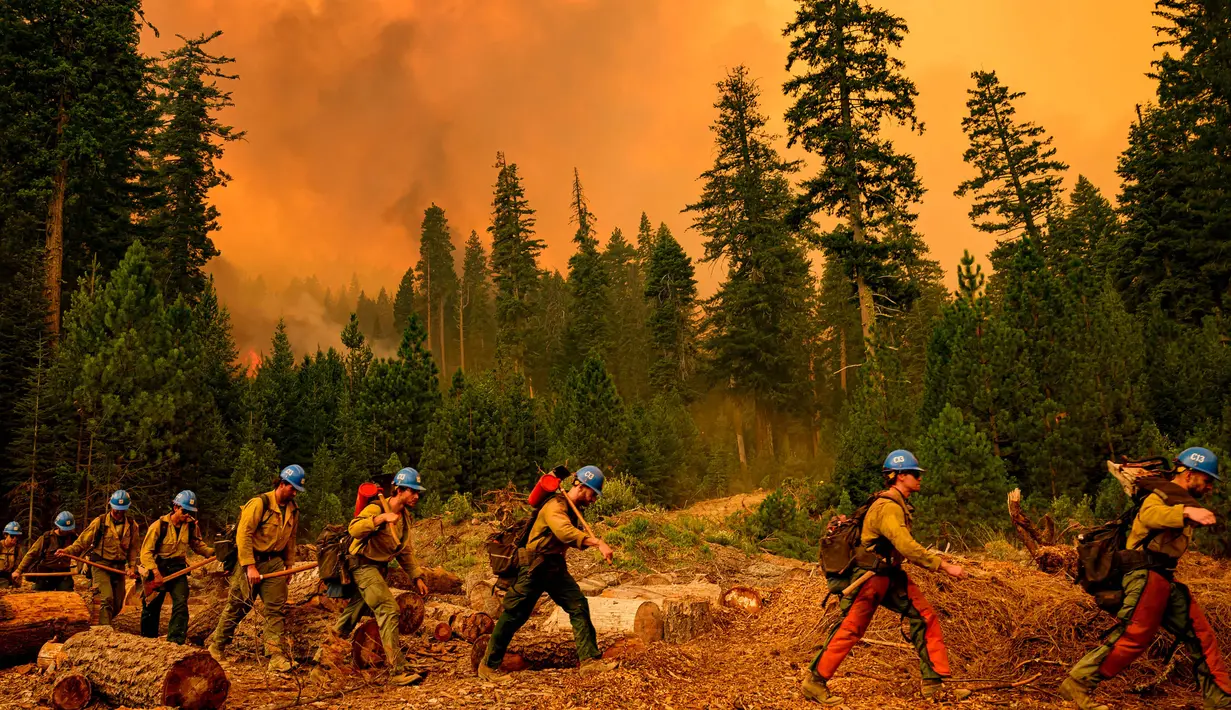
column 1153, row 601
column 372, row 595
column 111, row 591
column 52, row 584
column 151, row 615
column 239, row 602
column 550, row 576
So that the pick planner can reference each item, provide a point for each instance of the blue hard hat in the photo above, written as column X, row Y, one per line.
column 902, row 460
column 293, row 475
column 407, row 478
column 591, row 477
column 13, row 528
column 65, row 521
column 186, row 500
column 120, row 500
column 1201, row 460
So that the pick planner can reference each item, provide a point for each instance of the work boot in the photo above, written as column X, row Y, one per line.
column 597, row 665
column 216, row 651
column 493, row 675
column 816, row 689
column 279, row 664
column 1078, row 692
column 405, row 678
column 932, row 690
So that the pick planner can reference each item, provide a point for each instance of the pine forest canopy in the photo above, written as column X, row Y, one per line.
column 1098, row 332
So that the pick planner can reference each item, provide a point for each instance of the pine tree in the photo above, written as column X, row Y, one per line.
column 438, row 282
column 275, row 393
column 759, row 322
column 1085, row 232
column 848, row 89
column 588, row 281
column 357, row 358
column 404, row 299
column 965, row 485
column 321, row 394
column 185, row 153
column 672, row 293
column 1017, row 181
column 628, row 352
column 590, row 424
column 515, row 269
column 547, row 364
column 400, row 397
column 645, row 239
column 476, row 317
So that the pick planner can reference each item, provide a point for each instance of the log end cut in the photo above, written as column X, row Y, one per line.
column 72, row 691
column 196, row 682
column 648, row 624
column 410, row 613
column 512, row 663
column 744, row 599
column 367, row 651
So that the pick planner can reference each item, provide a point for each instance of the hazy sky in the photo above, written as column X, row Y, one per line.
column 360, row 113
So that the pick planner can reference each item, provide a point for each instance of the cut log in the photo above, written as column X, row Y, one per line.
column 686, row 619
column 50, row 656
column 468, row 624
column 440, row 631
column 366, row 648
column 130, row 670
column 624, row 648
column 541, row 651
column 745, row 599
column 694, row 590
column 441, row 581
column 202, row 618
column 410, row 616
column 27, row 621
column 71, row 692
column 512, row 662
column 202, row 621
column 630, row 617
column 485, row 598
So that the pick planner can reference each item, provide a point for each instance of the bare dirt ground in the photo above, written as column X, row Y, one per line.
column 1009, row 623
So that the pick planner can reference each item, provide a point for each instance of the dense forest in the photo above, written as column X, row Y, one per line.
column 1099, row 330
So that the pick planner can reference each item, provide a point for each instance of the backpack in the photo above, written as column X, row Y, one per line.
column 504, row 547
column 1100, row 564
column 331, row 548
column 842, row 546
column 231, row 558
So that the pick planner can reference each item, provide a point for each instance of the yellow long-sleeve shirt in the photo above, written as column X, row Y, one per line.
column 266, row 527
column 175, row 543
column 384, row 542
column 120, row 543
column 555, row 530
column 40, row 557
column 9, row 557
column 887, row 519
column 1174, row 533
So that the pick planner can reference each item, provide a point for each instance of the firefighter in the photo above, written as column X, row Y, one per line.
column 112, row 540
column 1153, row 599
column 164, row 552
column 10, row 553
column 41, row 557
column 885, row 543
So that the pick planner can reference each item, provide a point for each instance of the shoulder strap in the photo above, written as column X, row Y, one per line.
column 162, row 535
column 101, row 532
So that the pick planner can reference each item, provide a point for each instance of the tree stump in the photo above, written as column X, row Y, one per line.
column 628, row 617
column 685, row 619
column 71, row 691
column 745, row 599
column 130, row 670
column 27, row 621
column 483, row 597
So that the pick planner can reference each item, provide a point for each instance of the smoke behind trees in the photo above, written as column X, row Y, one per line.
column 361, row 114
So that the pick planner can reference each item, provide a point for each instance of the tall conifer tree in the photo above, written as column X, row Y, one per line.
column 671, row 290
column 437, row 282
column 588, row 282
column 476, row 317
column 515, row 267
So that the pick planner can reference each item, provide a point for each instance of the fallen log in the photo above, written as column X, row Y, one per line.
column 202, row 621
column 50, row 656
column 541, row 651
column 629, row 617
column 466, row 623
column 694, row 590
column 686, row 619
column 483, row 597
column 71, row 691
column 438, row 580
column 27, row 621
column 745, row 599
column 512, row 662
column 143, row 672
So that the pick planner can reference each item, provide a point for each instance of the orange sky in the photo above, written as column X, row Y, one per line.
column 360, row 113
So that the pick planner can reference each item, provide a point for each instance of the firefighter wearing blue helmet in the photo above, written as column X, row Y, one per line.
column 164, row 551
column 10, row 553
column 41, row 557
column 875, row 577
column 557, row 527
column 111, row 539
column 1153, row 599
column 381, row 534
column 264, row 543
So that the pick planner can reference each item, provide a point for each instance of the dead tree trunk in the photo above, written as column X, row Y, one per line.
column 71, row 691
column 27, row 621
column 143, row 672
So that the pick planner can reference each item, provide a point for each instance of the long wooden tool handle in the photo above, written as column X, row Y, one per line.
column 288, row 572
column 48, row 574
column 584, row 524
column 858, row 583
column 92, row 563
column 150, row 586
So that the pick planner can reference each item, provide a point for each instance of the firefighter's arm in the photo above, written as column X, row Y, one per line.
column 291, row 546
column 563, row 528
column 408, row 561
column 197, row 544
column 248, row 520
column 891, row 524
column 79, row 544
column 35, row 552
column 1157, row 515
column 365, row 524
